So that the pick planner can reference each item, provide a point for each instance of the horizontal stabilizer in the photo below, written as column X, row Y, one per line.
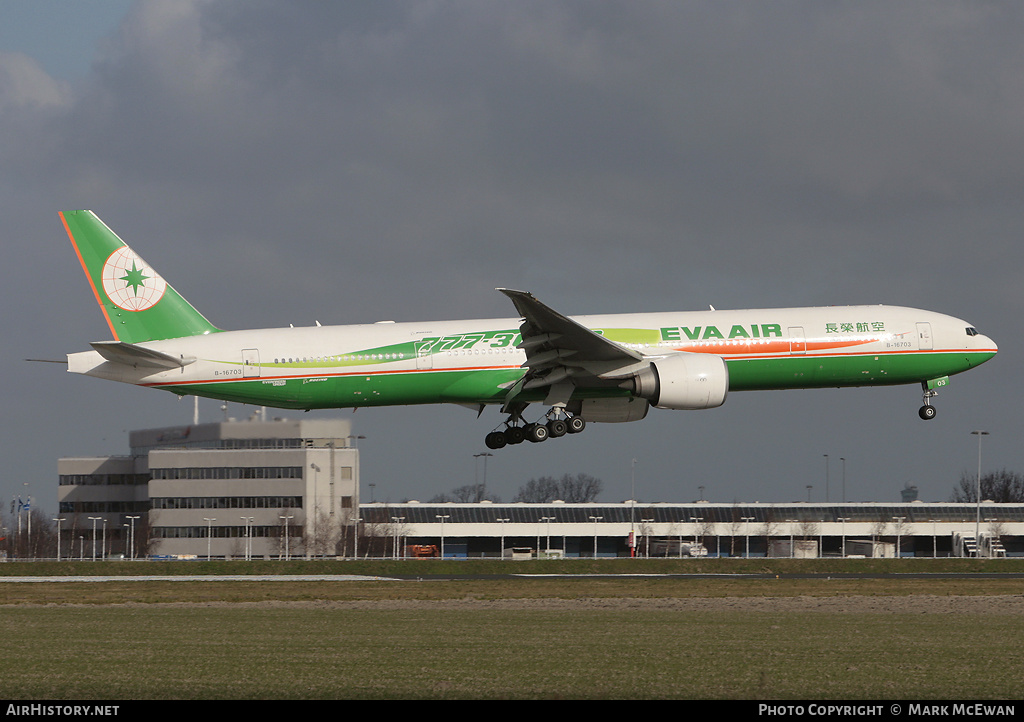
column 130, row 354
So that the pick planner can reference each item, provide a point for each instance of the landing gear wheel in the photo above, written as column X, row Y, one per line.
column 537, row 433
column 576, row 424
column 927, row 411
column 557, row 427
column 495, row 440
column 514, row 435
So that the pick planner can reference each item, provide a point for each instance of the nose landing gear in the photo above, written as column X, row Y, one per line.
column 927, row 412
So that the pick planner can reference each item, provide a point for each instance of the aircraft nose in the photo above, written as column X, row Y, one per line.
column 986, row 345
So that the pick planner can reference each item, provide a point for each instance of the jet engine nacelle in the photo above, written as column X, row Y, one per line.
column 684, row 381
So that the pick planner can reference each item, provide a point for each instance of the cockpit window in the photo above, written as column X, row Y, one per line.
column 971, row 331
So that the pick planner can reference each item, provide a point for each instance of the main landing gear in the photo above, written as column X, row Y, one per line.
column 556, row 425
column 927, row 412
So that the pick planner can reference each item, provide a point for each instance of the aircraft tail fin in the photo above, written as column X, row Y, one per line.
column 136, row 301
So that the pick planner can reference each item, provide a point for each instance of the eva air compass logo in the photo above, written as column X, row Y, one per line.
column 129, row 281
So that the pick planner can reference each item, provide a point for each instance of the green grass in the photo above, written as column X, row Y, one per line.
column 445, row 640
column 309, row 653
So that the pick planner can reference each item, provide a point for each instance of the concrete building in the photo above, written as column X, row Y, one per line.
column 231, row 489
column 916, row 529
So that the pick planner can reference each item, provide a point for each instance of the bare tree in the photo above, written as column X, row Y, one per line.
column 645, row 531
column 17, row 539
column 44, row 535
column 324, row 536
column 1000, row 486
column 706, row 530
column 901, row 530
column 735, row 524
column 468, row 494
column 538, row 491
column 997, row 528
column 578, row 489
column 807, row 529
column 144, row 543
column 768, row 529
column 373, row 539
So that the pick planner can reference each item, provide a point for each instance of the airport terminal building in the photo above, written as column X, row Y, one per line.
column 700, row 529
column 274, row 489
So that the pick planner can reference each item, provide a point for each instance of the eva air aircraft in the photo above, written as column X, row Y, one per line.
column 607, row 368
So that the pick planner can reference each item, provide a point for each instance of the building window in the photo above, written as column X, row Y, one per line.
column 227, row 472
column 227, row 502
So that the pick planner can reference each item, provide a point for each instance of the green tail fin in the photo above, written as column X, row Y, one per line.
column 137, row 303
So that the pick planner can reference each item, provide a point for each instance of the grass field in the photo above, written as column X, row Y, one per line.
column 582, row 637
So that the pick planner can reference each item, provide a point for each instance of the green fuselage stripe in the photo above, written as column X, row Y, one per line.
column 793, row 372
column 489, row 385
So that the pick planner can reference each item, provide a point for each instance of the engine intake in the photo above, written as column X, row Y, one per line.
column 684, row 381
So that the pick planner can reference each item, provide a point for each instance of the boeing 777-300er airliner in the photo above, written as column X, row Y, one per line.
column 582, row 369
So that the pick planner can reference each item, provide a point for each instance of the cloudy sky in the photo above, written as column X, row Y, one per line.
column 351, row 162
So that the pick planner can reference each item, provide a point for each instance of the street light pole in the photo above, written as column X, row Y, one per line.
column 632, row 508
column 131, row 533
column 248, row 538
column 547, row 542
column 502, row 521
column 311, row 530
column 287, row 532
column 977, row 516
column 647, row 537
column 486, row 455
column 398, row 533
column 826, row 479
column 792, row 551
column 59, row 520
column 209, row 531
column 695, row 520
column 844, row 519
column 899, row 532
column 442, row 517
column 94, row 519
column 746, row 529
column 595, row 519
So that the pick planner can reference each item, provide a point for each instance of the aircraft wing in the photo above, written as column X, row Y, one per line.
column 562, row 354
